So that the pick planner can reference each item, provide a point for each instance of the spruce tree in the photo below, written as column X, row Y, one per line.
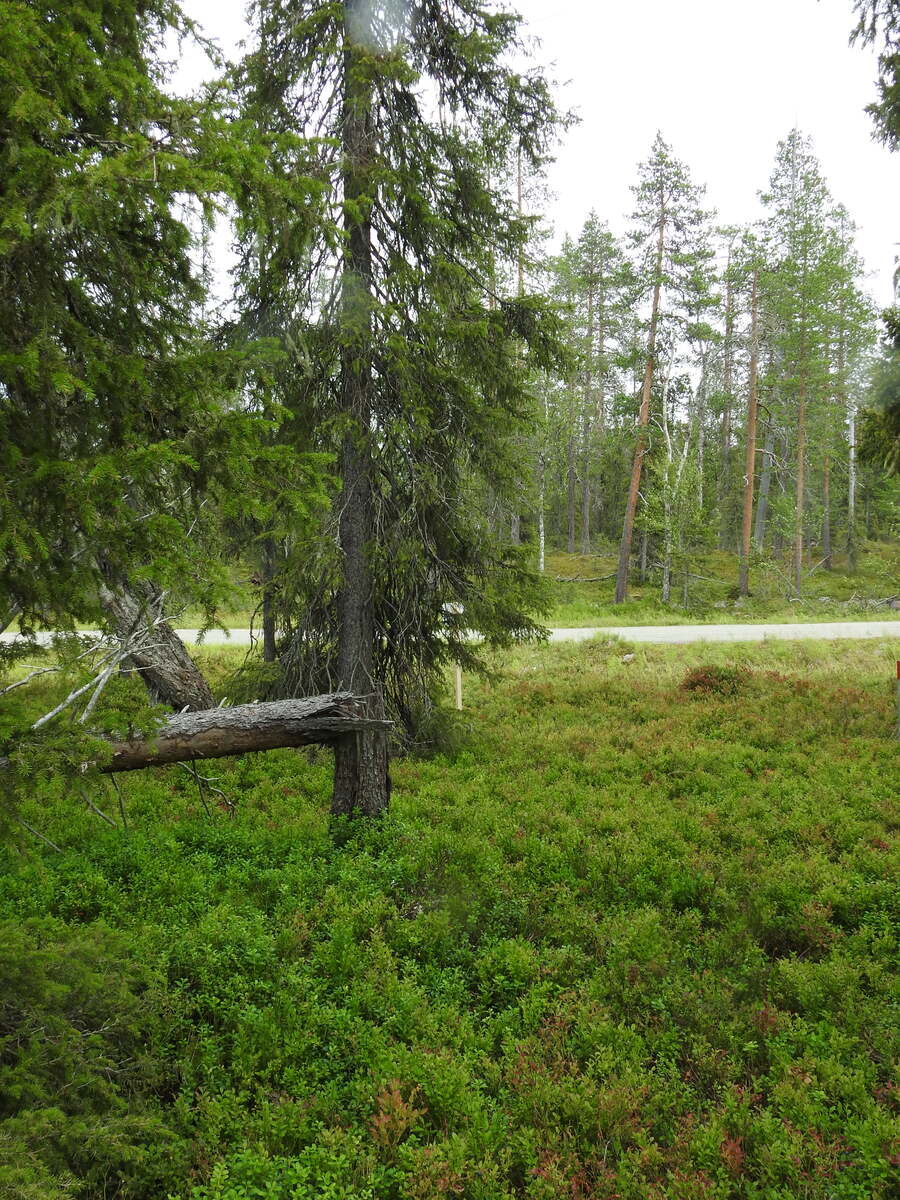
column 413, row 370
column 880, row 19
column 119, row 416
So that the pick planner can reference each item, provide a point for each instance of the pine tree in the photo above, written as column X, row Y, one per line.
column 668, row 237
column 795, row 283
column 750, row 434
column 604, row 284
column 809, row 288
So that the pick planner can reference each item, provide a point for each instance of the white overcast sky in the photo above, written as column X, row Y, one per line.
column 723, row 80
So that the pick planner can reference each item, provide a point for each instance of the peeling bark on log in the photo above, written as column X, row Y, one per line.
column 222, row 732
column 168, row 671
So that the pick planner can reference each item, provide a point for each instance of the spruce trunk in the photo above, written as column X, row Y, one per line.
column 360, row 774
column 270, row 651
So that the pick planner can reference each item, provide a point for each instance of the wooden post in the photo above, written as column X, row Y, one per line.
column 454, row 608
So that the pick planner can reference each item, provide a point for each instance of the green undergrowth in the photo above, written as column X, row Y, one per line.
column 835, row 595
column 637, row 938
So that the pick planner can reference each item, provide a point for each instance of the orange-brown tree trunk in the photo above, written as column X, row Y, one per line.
column 750, row 460
column 643, row 421
column 801, row 483
column 826, row 514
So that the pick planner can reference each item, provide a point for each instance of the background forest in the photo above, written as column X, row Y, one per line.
column 601, row 940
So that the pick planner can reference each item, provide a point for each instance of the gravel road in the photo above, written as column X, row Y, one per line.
column 663, row 634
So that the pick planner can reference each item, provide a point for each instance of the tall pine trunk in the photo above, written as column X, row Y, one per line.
column 586, row 424
column 570, row 493
column 515, row 527
column 779, row 472
column 701, row 435
column 765, row 487
column 586, row 506
column 750, row 459
column 643, row 421
column 360, row 776
column 724, row 483
column 801, row 487
column 601, row 398
column 826, row 514
column 851, row 489
column 541, row 532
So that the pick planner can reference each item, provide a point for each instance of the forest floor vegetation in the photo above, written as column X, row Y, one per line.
column 584, row 587
column 636, row 936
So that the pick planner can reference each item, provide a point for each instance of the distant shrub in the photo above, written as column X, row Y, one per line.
column 720, row 681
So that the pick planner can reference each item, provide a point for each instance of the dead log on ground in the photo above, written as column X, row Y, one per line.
column 246, row 728
column 585, row 578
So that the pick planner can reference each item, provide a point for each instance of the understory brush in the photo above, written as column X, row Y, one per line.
column 584, row 587
column 636, row 938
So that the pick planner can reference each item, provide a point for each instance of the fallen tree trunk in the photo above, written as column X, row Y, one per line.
column 221, row 732
column 170, row 674
column 585, row 578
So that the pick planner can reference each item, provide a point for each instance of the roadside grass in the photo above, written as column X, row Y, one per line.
column 638, row 937
column 828, row 595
